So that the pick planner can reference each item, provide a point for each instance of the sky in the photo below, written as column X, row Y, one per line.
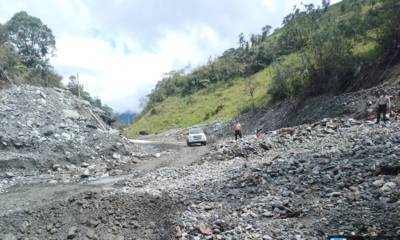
column 122, row 48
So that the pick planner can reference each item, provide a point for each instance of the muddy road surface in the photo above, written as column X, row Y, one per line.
column 98, row 207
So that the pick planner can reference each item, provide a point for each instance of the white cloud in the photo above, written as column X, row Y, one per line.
column 270, row 5
column 120, row 77
column 121, row 48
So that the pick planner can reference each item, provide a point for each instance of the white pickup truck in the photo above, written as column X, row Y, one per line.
column 196, row 135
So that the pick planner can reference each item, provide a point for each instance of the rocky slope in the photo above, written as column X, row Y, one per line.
column 50, row 128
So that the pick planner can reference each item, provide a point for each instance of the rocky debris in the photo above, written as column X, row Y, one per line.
column 62, row 130
column 92, row 215
column 310, row 181
column 72, row 232
column 334, row 176
column 305, row 182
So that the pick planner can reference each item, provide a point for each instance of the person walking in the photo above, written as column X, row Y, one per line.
column 383, row 105
column 238, row 130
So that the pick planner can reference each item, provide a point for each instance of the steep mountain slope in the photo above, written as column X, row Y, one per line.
column 292, row 112
column 319, row 50
column 219, row 102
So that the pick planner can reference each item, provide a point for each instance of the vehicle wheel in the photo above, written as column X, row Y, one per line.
column 188, row 144
column 204, row 143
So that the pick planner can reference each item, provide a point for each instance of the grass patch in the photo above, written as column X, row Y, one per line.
column 223, row 102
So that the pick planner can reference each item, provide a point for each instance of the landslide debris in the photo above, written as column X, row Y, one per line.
column 95, row 215
column 336, row 176
column 43, row 128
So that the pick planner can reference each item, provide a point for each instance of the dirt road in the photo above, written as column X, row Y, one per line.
column 173, row 155
column 30, row 201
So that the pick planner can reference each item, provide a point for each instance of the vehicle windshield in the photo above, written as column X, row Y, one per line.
column 195, row 131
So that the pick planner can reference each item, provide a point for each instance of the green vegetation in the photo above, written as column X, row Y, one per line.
column 318, row 50
column 25, row 47
column 221, row 101
column 78, row 90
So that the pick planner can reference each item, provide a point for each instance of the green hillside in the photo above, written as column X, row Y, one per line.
column 222, row 101
column 319, row 49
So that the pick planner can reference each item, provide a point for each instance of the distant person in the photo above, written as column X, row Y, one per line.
column 383, row 105
column 238, row 130
column 258, row 132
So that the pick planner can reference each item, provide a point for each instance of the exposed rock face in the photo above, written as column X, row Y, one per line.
column 41, row 127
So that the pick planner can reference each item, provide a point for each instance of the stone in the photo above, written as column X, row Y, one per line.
column 23, row 227
column 66, row 136
column 267, row 237
column 388, row 186
column 72, row 232
column 90, row 233
column 116, row 156
column 71, row 114
column 204, row 229
column 9, row 236
column 178, row 232
column 85, row 165
column 265, row 146
column 56, row 167
column 85, row 173
column 354, row 189
column 9, row 175
column 378, row 183
column 53, row 181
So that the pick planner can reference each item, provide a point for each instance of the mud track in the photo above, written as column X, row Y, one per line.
column 98, row 209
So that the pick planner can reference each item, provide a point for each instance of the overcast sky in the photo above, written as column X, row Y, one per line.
column 121, row 48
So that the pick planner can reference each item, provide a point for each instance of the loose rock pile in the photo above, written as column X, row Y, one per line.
column 43, row 129
column 94, row 215
column 337, row 176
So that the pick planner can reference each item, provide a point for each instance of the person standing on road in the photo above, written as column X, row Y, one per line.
column 383, row 105
column 238, row 130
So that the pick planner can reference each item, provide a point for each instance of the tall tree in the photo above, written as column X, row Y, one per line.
column 242, row 40
column 74, row 86
column 266, row 30
column 33, row 40
column 3, row 37
column 326, row 4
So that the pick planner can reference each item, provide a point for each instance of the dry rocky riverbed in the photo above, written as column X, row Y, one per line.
column 335, row 176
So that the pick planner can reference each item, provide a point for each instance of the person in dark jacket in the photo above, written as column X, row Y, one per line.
column 383, row 106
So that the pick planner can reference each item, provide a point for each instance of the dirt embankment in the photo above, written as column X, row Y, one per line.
column 358, row 105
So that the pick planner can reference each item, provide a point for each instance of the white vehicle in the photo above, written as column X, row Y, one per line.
column 196, row 135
